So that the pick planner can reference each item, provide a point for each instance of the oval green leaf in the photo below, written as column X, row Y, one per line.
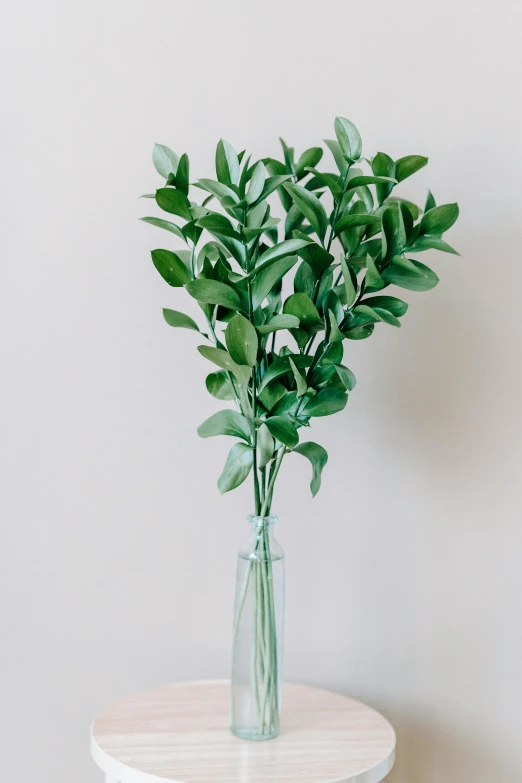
column 171, row 267
column 214, row 292
column 279, row 322
column 348, row 137
column 326, row 402
column 283, row 430
column 227, row 422
column 420, row 278
column 174, row 318
column 318, row 457
column 241, row 340
column 173, row 201
column 165, row 160
column 219, row 386
column 237, row 467
column 223, row 359
column 439, row 219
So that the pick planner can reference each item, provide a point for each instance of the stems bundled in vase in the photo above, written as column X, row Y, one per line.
column 258, row 634
column 346, row 236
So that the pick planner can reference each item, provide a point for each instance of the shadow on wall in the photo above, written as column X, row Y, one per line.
column 443, row 403
column 430, row 753
column 449, row 384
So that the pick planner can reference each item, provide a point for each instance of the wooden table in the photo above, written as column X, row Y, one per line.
column 180, row 733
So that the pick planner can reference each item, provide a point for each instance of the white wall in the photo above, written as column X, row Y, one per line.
column 404, row 576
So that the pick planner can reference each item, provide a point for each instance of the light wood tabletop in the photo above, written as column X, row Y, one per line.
column 181, row 733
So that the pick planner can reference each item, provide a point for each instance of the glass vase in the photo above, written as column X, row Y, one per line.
column 257, row 655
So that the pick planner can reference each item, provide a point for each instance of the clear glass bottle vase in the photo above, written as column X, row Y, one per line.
column 258, row 634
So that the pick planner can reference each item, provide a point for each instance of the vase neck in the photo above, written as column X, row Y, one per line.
column 262, row 523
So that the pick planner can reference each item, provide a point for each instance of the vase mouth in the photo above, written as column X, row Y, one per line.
column 259, row 521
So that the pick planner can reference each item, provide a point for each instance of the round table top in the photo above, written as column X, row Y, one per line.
column 181, row 733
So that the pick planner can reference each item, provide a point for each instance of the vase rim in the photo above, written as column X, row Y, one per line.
column 260, row 521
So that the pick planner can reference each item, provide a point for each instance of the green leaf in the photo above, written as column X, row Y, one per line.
column 218, row 189
column 237, row 467
column 350, row 221
column 348, row 137
column 219, row 385
column 357, row 182
column 422, row 279
column 428, row 242
column 383, row 166
column 173, row 201
column 173, row 318
column 303, row 308
column 283, row 430
column 309, row 158
column 316, row 257
column 255, row 188
column 390, row 303
column 214, row 292
column 286, row 248
column 273, row 183
column 182, row 174
column 430, row 202
column 378, row 314
column 219, row 225
column 330, row 180
column 335, row 335
column 387, row 317
column 346, row 376
column 335, row 149
column 304, row 280
column 265, row 446
column 359, row 332
column 405, row 223
column 405, row 167
column 391, row 233
column 318, row 457
column 333, row 354
column 266, row 279
column 271, row 394
column 349, row 286
column 166, row 224
column 299, row 380
column 413, row 208
column 223, row 359
column 165, row 160
column 227, row 163
column 281, row 366
column 241, row 340
column 373, row 280
column 439, row 219
column 279, row 322
column 311, row 208
column 227, row 422
column 326, row 402
column 171, row 267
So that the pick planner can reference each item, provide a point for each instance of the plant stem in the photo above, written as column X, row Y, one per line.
column 270, row 491
column 257, row 500
column 337, row 208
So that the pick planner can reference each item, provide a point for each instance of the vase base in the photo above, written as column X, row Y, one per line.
column 252, row 734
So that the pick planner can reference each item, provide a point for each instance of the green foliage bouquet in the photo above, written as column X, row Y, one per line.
column 347, row 237
column 346, row 245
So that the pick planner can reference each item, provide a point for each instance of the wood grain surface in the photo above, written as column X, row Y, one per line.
column 181, row 733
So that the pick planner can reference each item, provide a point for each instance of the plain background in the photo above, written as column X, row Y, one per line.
column 404, row 574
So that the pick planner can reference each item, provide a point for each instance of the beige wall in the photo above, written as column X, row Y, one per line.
column 404, row 574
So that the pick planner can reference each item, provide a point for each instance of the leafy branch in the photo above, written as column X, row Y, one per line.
column 346, row 237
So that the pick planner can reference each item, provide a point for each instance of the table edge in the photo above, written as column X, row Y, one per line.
column 122, row 773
